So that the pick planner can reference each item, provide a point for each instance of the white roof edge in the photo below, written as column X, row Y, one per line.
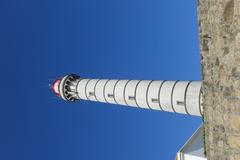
column 191, row 138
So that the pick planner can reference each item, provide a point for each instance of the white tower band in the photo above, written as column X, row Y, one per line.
column 171, row 96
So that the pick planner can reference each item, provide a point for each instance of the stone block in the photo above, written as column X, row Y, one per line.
column 235, row 123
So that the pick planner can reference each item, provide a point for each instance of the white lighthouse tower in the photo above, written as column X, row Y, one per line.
column 171, row 96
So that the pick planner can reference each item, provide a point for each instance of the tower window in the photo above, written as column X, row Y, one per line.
column 91, row 94
column 154, row 100
column 131, row 97
column 110, row 95
column 181, row 103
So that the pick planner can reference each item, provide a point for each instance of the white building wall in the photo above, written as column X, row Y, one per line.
column 119, row 92
column 171, row 96
column 90, row 89
column 109, row 89
column 99, row 90
column 142, row 94
column 179, row 96
column 166, row 96
column 192, row 157
column 154, row 94
column 193, row 98
column 81, row 86
column 130, row 93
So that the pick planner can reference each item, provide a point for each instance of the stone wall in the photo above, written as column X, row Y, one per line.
column 219, row 31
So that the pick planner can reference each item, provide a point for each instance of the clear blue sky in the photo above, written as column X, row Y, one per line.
column 132, row 39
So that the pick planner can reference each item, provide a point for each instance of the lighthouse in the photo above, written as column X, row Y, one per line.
column 184, row 97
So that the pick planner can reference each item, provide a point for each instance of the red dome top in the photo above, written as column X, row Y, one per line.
column 55, row 86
